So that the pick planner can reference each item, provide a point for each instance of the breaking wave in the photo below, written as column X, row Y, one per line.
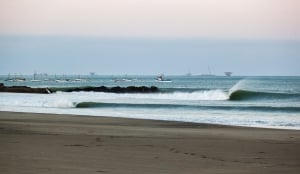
column 179, row 106
column 258, row 95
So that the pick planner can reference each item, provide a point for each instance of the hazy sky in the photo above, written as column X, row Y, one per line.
column 275, row 19
column 248, row 37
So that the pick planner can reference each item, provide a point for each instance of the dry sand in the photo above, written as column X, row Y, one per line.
column 59, row 144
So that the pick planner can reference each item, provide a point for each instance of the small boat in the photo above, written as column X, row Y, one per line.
column 15, row 79
column 161, row 78
column 122, row 80
column 78, row 79
column 34, row 78
column 228, row 74
column 61, row 80
column 125, row 79
column 188, row 74
column 209, row 73
column 9, row 80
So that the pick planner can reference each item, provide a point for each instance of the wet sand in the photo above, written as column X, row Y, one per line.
column 59, row 144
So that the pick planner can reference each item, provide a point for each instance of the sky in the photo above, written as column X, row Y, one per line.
column 248, row 37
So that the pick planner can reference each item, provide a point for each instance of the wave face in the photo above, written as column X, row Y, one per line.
column 258, row 95
column 178, row 106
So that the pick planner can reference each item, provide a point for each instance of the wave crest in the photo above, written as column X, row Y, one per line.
column 180, row 106
column 252, row 95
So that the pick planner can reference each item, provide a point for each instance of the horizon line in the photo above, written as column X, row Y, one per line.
column 153, row 37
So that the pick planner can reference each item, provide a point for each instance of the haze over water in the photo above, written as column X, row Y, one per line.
column 248, row 37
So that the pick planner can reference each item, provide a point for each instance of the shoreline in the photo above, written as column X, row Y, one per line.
column 57, row 143
column 149, row 119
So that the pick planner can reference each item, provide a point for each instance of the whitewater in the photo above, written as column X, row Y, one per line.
column 254, row 102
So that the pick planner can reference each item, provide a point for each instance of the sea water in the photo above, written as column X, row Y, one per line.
column 271, row 102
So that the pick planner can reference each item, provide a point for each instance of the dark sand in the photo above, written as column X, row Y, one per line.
column 58, row 144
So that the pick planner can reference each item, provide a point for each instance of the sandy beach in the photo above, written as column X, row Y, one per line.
column 46, row 143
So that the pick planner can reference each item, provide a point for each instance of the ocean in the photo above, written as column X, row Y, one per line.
column 268, row 102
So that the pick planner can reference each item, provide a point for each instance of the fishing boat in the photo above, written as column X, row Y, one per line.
column 122, row 80
column 209, row 73
column 228, row 74
column 15, row 79
column 34, row 78
column 161, row 78
column 78, row 79
column 189, row 74
column 125, row 79
column 61, row 80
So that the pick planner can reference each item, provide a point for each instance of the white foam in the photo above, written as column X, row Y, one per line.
column 68, row 100
column 35, row 100
column 63, row 103
column 216, row 117
column 198, row 95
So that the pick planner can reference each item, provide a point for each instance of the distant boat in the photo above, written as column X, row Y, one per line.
column 125, row 79
column 209, row 73
column 122, row 80
column 18, row 79
column 188, row 74
column 206, row 75
column 9, row 80
column 79, row 79
column 61, row 80
column 161, row 78
column 92, row 73
column 34, row 78
column 14, row 79
column 228, row 74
